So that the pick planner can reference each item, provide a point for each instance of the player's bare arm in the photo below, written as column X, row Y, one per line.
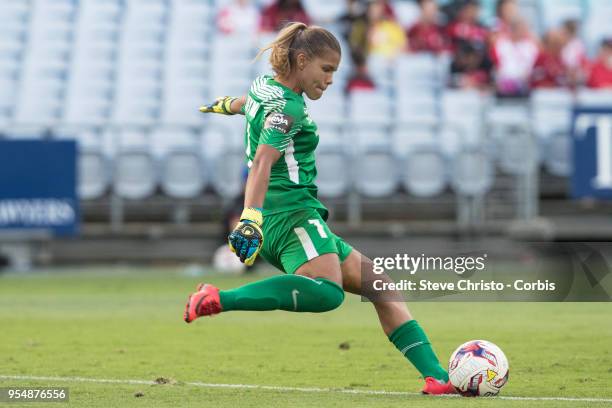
column 259, row 176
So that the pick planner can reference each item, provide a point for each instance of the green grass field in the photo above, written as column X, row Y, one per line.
column 126, row 324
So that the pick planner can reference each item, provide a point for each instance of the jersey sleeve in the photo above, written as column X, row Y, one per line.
column 282, row 120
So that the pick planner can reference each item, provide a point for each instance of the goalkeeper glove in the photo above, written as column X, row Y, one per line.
column 246, row 239
column 221, row 105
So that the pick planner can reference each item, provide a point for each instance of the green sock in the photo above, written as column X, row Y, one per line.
column 412, row 342
column 293, row 293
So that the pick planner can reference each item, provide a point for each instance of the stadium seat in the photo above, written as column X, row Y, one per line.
column 381, row 71
column 324, row 12
column 331, row 136
column 555, row 12
column 333, row 172
column 180, row 104
column 404, row 139
column 558, row 157
column 329, row 110
column 45, row 63
column 135, row 173
column 370, row 108
column 8, row 88
column 516, row 151
column 227, row 173
column 94, row 164
column 376, row 172
column 15, row 11
column 472, row 173
column 424, row 172
column 417, row 108
column 416, row 72
column 550, row 113
column 594, row 97
column 597, row 26
column 94, row 174
column 463, row 115
column 406, row 12
column 136, row 105
column 365, row 137
column 26, row 131
column 504, row 121
column 182, row 173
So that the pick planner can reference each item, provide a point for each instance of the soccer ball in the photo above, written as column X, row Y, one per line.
column 478, row 368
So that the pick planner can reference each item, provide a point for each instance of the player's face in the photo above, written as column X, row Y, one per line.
column 318, row 74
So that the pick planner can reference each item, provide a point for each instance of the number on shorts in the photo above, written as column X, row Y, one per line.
column 320, row 229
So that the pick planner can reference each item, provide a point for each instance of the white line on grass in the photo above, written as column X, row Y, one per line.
column 281, row 388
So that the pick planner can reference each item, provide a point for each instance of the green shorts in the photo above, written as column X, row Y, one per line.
column 295, row 237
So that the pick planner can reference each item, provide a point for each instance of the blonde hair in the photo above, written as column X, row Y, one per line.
column 294, row 38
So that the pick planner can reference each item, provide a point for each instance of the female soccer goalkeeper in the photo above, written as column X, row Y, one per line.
column 282, row 216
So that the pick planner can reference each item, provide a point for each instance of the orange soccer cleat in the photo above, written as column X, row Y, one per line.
column 204, row 302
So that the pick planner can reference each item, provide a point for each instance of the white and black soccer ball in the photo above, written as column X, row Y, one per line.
column 478, row 368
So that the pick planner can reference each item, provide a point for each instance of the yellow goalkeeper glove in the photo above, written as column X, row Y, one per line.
column 221, row 105
column 246, row 239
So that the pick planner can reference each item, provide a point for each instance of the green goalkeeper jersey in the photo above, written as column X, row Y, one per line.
column 277, row 116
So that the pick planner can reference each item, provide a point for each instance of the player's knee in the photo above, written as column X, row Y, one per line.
column 332, row 295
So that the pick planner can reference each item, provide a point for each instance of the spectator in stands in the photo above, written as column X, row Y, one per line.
column 549, row 70
column 279, row 13
column 466, row 27
column 514, row 54
column 239, row 17
column 385, row 36
column 354, row 26
column 426, row 35
column 388, row 10
column 506, row 12
column 470, row 67
column 574, row 54
column 355, row 10
column 601, row 72
column 360, row 78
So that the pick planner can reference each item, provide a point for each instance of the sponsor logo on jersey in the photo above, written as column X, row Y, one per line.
column 279, row 121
